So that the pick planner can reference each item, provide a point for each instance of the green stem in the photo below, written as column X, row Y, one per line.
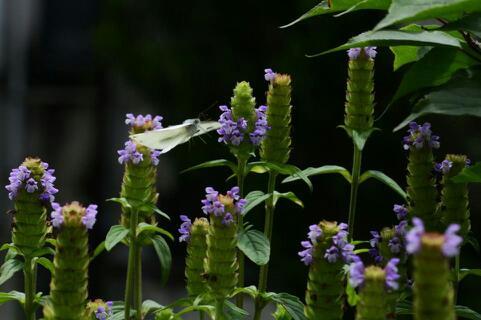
column 457, row 263
column 219, row 310
column 138, row 282
column 201, row 315
column 129, row 283
column 356, row 172
column 241, row 168
column 268, row 226
column 29, row 271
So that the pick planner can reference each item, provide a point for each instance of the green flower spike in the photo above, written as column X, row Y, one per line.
column 325, row 286
column 372, row 303
column 421, row 190
column 454, row 196
column 359, row 106
column 196, row 254
column 276, row 146
column 68, row 287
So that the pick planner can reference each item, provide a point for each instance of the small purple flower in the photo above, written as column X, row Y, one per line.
column 356, row 274
column 374, row 253
column 104, row 313
column 56, row 215
column 401, row 211
column 228, row 219
column 90, row 216
column 354, row 53
column 306, row 255
column 413, row 237
column 130, row 153
column 185, row 228
column 260, row 127
column 401, row 229
column 154, row 157
column 444, row 166
column 314, row 233
column 215, row 204
column 392, row 275
column 31, row 185
column 376, row 238
column 141, row 121
column 231, row 132
column 395, row 245
column 332, row 254
column 452, row 242
column 348, row 254
column 269, row 75
column 420, row 136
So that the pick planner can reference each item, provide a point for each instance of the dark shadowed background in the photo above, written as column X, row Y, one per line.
column 70, row 70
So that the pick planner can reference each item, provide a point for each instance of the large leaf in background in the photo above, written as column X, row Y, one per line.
column 467, row 313
column 466, row 272
column 405, row 11
column 253, row 199
column 341, row 5
column 407, row 54
column 398, row 38
column 292, row 304
column 470, row 174
column 436, row 68
column 460, row 96
column 470, row 23
column 327, row 169
column 12, row 295
column 380, row 176
column 116, row 234
column 165, row 257
column 9, row 268
column 255, row 246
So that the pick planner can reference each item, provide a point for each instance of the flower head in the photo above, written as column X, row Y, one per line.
column 224, row 206
column 413, row 237
column 22, row 178
column 392, row 275
column 356, row 274
column 131, row 153
column 444, row 166
column 73, row 214
column 104, row 312
column 452, row 241
column 146, row 122
column 355, row 53
column 401, row 211
column 269, row 74
column 420, row 136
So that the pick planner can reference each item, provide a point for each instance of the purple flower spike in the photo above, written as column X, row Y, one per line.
column 131, row 154
column 261, row 126
column 356, row 274
column 90, row 216
column 444, row 166
column 354, row 53
column 392, row 275
column 401, row 211
column 56, row 215
column 420, row 136
column 269, row 74
column 314, row 233
column 452, row 242
column 140, row 121
column 371, row 52
column 306, row 255
column 230, row 131
column 185, row 228
column 413, row 237
column 20, row 178
column 219, row 206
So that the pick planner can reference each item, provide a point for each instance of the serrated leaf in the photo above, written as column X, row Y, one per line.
column 406, row 11
column 397, row 38
column 254, row 198
column 470, row 23
column 292, row 304
column 142, row 227
column 327, row 169
column 255, row 245
column 9, row 268
column 460, row 96
column 115, row 235
column 380, row 176
column 12, row 295
column 471, row 174
column 46, row 263
column 212, row 164
column 466, row 272
column 165, row 257
column 436, row 68
column 291, row 196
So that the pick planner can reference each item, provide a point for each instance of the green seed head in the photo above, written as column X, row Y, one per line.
column 196, row 254
column 276, row 146
column 372, row 295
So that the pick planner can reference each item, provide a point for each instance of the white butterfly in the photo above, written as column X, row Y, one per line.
column 166, row 139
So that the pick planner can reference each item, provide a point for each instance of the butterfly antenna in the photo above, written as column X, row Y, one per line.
column 203, row 114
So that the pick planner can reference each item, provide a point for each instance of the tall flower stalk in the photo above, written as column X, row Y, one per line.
column 138, row 189
column 32, row 189
column 69, row 284
column 359, row 111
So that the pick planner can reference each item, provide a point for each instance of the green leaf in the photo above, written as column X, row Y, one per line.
column 255, row 245
column 149, row 306
column 46, row 263
column 142, row 227
column 360, row 138
column 212, row 164
column 467, row 313
column 466, row 272
column 160, row 212
column 292, row 304
column 378, row 175
column 327, row 169
column 165, row 257
column 341, row 5
column 43, row 251
column 363, row 250
column 98, row 250
column 406, row 11
column 12, row 295
column 289, row 196
column 250, row 291
column 352, row 296
column 470, row 23
column 9, row 268
column 407, row 54
column 233, row 312
column 254, row 198
column 436, row 68
column 285, row 169
column 397, row 38
column 116, row 234
column 460, row 96
column 122, row 201
column 473, row 241
column 470, row 174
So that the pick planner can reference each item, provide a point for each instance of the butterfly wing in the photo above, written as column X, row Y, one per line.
column 165, row 139
column 206, row 126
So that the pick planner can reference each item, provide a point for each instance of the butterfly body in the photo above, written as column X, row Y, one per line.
column 166, row 139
